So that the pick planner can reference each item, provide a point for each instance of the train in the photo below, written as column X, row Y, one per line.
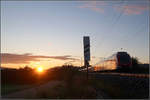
column 118, row 61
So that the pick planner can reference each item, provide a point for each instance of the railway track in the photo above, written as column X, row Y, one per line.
column 124, row 74
column 123, row 85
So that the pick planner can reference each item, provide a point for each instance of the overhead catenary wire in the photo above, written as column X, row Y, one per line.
column 116, row 21
column 134, row 34
column 118, row 18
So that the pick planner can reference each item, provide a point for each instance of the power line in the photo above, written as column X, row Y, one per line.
column 118, row 18
column 115, row 22
column 135, row 34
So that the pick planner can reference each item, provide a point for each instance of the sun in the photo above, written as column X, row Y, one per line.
column 39, row 69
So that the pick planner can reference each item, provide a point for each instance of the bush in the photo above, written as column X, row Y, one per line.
column 135, row 62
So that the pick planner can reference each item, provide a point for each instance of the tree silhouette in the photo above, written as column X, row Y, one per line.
column 135, row 62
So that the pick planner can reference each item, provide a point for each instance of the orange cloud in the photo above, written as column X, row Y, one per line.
column 94, row 6
column 132, row 9
column 128, row 9
column 8, row 58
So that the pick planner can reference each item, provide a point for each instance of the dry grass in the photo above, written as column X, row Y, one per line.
column 62, row 90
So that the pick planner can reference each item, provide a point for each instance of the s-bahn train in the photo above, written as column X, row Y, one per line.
column 119, row 60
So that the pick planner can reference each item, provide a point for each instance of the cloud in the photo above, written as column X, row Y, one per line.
column 94, row 6
column 128, row 9
column 132, row 9
column 9, row 58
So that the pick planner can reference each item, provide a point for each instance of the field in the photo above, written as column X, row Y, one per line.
column 10, row 88
column 118, row 87
column 55, row 90
column 67, row 82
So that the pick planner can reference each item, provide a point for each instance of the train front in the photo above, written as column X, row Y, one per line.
column 124, row 60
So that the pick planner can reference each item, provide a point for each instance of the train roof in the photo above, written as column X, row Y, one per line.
column 122, row 52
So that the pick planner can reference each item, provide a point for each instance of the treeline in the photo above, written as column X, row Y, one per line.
column 67, row 73
column 138, row 67
column 30, row 76
column 17, row 76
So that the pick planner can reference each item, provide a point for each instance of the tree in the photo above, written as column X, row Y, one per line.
column 27, row 68
column 135, row 62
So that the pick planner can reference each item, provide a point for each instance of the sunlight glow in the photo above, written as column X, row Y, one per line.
column 40, row 69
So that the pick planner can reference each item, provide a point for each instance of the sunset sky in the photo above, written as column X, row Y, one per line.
column 50, row 33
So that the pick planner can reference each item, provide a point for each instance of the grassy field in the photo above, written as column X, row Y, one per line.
column 123, row 87
column 56, row 90
column 69, row 83
column 10, row 88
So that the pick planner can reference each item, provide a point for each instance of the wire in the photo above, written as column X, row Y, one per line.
column 118, row 18
column 135, row 34
column 115, row 22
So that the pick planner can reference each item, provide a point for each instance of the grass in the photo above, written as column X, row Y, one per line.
column 56, row 91
column 62, row 90
column 66, row 83
column 112, row 90
column 10, row 88
column 69, row 83
column 120, row 89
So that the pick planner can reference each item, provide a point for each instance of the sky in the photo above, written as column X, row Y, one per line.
column 50, row 33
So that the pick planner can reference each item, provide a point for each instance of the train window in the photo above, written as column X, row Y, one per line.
column 124, row 58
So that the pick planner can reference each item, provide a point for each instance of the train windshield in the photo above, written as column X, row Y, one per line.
column 124, row 58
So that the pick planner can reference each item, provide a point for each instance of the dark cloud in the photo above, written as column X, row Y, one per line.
column 9, row 58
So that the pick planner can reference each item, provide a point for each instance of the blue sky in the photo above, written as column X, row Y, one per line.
column 56, row 28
